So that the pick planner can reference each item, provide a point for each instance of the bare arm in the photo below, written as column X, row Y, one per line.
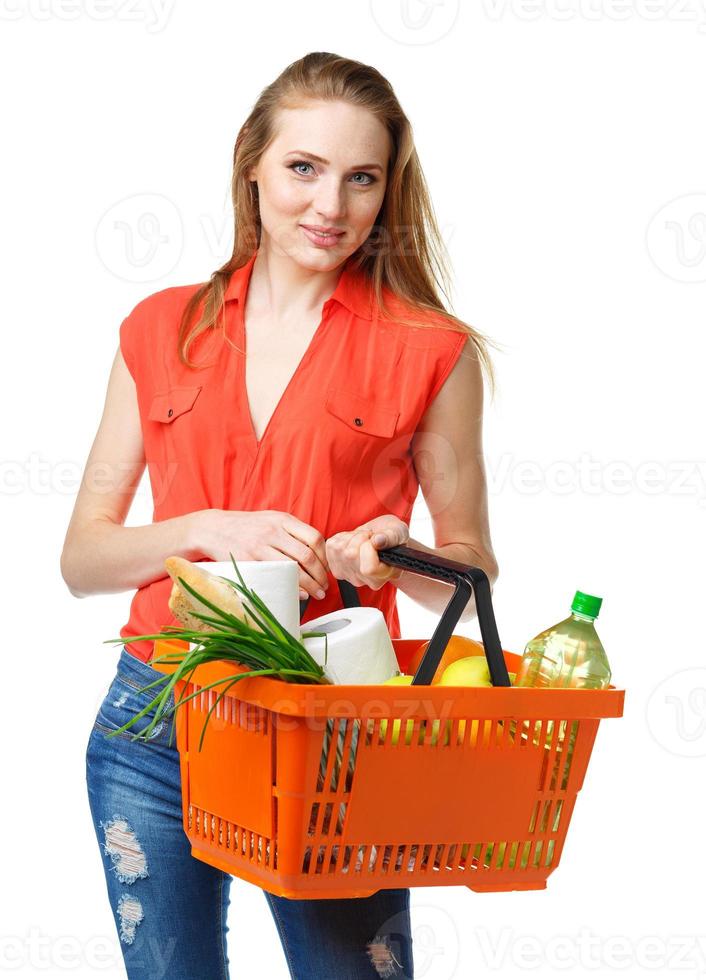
column 447, row 451
column 99, row 554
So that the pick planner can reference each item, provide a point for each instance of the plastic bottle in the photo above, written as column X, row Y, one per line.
column 568, row 654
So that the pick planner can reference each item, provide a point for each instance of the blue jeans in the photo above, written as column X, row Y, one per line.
column 170, row 908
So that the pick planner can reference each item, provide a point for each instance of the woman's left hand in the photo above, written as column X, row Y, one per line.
column 353, row 555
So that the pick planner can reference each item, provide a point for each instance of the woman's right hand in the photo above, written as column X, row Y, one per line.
column 264, row 535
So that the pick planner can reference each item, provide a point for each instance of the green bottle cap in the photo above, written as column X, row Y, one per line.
column 587, row 605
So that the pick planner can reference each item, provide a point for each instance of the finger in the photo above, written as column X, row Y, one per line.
column 370, row 564
column 309, row 550
column 376, row 572
column 390, row 537
column 334, row 550
column 352, row 549
column 344, row 550
column 308, row 535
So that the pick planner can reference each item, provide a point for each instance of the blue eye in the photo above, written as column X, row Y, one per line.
column 299, row 163
column 304, row 163
column 371, row 179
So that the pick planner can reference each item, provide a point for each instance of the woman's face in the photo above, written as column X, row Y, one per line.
column 326, row 167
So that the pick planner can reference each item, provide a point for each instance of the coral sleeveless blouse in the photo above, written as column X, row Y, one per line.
column 336, row 451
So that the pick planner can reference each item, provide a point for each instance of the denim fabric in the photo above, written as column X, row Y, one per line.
column 170, row 909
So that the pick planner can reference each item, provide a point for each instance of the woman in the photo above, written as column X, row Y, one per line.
column 353, row 393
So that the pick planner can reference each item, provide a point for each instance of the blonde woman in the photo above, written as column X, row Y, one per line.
column 288, row 408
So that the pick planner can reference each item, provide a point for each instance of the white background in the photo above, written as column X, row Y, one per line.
column 564, row 148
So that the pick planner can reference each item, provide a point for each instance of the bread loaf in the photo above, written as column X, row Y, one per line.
column 183, row 604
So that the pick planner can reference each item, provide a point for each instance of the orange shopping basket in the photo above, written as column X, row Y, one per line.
column 299, row 788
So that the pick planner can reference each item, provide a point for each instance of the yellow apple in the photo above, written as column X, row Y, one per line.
column 469, row 671
column 404, row 679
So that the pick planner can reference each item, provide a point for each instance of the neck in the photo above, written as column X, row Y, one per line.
column 284, row 288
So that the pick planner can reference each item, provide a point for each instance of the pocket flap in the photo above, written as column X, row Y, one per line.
column 169, row 405
column 362, row 413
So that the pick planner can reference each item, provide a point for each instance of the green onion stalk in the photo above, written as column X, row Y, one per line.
column 270, row 651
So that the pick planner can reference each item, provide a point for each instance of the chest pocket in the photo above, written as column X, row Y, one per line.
column 363, row 413
column 169, row 405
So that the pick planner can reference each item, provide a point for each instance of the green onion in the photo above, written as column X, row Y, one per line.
column 270, row 651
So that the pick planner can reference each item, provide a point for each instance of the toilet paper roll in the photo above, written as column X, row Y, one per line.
column 360, row 650
column 276, row 583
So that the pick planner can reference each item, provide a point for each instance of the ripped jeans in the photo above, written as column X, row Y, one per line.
column 170, row 908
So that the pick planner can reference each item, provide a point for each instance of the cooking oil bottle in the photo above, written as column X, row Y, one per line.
column 568, row 654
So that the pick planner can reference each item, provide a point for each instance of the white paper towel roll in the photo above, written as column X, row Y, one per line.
column 276, row 583
column 360, row 650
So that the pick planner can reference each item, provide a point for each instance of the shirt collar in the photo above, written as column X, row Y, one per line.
column 352, row 290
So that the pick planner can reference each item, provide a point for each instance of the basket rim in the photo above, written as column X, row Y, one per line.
column 433, row 700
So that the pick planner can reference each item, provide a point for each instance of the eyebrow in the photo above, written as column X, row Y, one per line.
column 360, row 166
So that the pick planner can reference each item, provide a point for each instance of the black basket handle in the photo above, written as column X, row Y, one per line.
column 467, row 579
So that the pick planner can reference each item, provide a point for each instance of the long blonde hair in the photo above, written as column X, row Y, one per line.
column 411, row 260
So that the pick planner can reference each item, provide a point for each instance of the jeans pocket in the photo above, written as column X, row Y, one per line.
column 124, row 701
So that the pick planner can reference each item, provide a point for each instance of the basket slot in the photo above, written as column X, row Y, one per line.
column 355, row 735
column 569, row 750
column 343, row 764
column 533, row 818
column 327, row 819
column 557, row 815
column 360, row 858
column 386, row 855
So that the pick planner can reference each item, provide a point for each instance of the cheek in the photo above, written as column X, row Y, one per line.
column 362, row 215
column 283, row 198
column 364, row 209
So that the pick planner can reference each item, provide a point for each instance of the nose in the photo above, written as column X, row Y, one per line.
column 329, row 202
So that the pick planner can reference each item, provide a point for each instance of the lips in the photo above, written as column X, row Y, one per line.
column 324, row 240
column 323, row 232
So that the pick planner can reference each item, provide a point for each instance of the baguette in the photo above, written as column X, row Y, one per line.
column 183, row 605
